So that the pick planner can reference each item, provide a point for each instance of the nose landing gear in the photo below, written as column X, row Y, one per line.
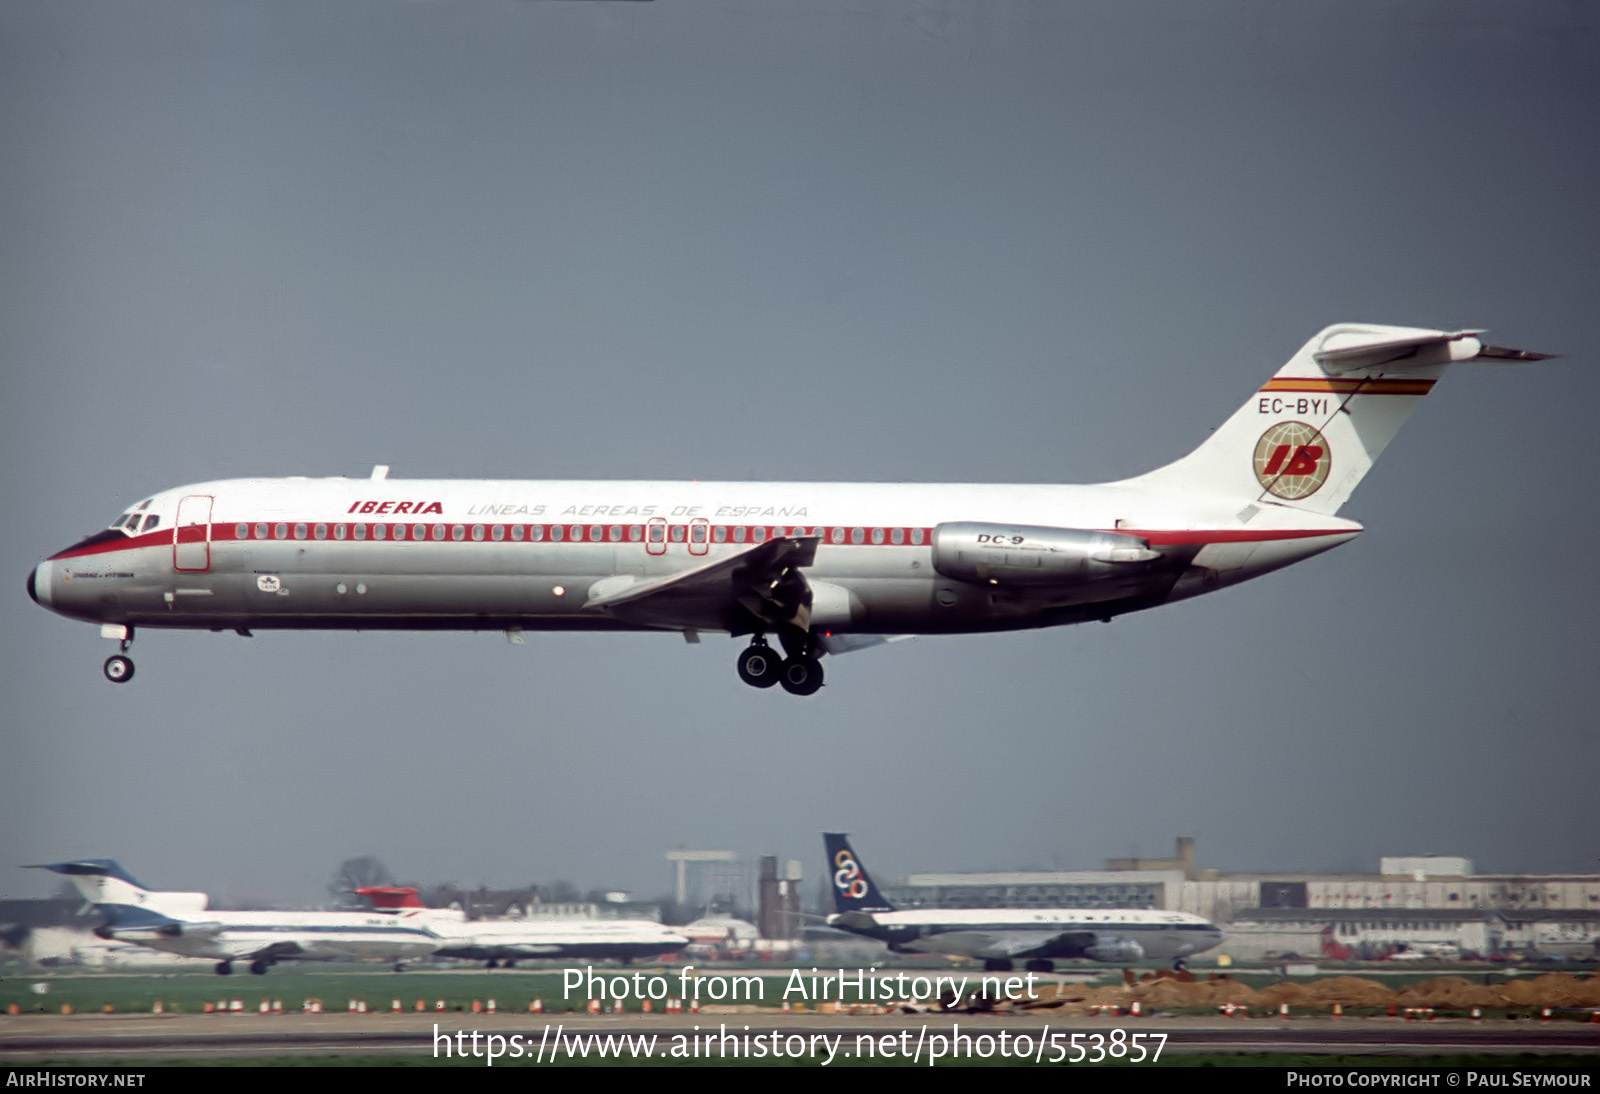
column 118, row 668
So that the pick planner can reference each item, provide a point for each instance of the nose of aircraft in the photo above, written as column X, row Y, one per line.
column 39, row 584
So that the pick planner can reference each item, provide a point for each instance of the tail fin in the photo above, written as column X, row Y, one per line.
column 853, row 890
column 107, row 885
column 1312, row 432
column 385, row 898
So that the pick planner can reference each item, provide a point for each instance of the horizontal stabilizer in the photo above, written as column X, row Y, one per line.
column 1352, row 347
column 1514, row 356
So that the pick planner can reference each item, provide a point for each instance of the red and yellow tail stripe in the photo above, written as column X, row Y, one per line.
column 1351, row 386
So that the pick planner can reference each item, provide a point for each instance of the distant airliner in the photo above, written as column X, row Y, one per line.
column 999, row 936
column 507, row 941
column 181, row 923
column 821, row 567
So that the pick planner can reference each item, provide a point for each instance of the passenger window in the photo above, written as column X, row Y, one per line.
column 759, row 535
column 738, row 534
column 498, row 533
column 916, row 535
column 837, row 535
column 261, row 531
column 359, row 531
column 536, row 532
column 616, row 533
column 719, row 534
column 635, row 533
column 280, row 532
column 877, row 535
column 399, row 530
column 557, row 531
column 658, row 533
column 419, row 531
column 438, row 531
column 697, row 534
column 321, row 531
column 517, row 532
column 299, row 531
column 338, row 531
column 677, row 533
column 856, row 535
column 458, row 532
column 897, row 536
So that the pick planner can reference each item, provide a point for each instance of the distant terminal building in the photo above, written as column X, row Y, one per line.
column 1412, row 904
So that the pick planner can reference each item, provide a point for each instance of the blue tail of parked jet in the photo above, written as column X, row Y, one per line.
column 109, row 887
column 853, row 890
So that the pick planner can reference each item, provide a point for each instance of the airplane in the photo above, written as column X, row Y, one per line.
column 1000, row 936
column 822, row 567
column 505, row 942
column 180, row 923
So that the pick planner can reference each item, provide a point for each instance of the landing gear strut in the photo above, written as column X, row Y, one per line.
column 119, row 669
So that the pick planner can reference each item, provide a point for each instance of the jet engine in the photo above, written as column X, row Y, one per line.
column 1115, row 950
column 1016, row 554
column 112, row 933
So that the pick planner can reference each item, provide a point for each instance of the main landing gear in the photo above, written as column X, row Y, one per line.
column 118, row 668
column 800, row 673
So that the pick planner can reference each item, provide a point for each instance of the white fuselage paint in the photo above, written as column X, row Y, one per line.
column 304, row 553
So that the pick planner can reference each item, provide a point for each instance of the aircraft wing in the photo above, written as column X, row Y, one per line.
column 1001, row 944
column 762, row 580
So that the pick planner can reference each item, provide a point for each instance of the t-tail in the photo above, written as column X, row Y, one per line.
column 109, row 887
column 853, row 889
column 1309, row 436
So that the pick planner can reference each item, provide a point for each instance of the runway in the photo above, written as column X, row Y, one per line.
column 528, row 1038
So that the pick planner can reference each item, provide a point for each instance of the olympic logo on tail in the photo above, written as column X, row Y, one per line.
column 847, row 876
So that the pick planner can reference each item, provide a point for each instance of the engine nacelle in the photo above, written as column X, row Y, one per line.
column 1019, row 554
column 1115, row 950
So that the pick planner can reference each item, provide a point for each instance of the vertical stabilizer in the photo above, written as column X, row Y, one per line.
column 1311, row 433
column 853, row 890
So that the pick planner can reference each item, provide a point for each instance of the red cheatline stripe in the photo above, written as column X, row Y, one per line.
column 1350, row 387
column 222, row 533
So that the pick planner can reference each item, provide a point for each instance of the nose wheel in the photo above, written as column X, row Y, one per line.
column 118, row 667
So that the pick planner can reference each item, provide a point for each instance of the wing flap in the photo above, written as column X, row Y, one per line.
column 762, row 578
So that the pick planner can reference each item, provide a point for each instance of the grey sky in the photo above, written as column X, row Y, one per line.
column 855, row 241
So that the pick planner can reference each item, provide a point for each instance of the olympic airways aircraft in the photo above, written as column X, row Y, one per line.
column 508, row 941
column 180, row 923
column 998, row 936
column 820, row 567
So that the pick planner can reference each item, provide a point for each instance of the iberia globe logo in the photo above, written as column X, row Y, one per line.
column 1292, row 460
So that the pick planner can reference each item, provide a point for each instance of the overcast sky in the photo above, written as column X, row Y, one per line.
column 848, row 240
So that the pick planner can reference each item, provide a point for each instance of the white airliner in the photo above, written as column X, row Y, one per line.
column 999, row 936
column 822, row 567
column 180, row 923
column 505, row 941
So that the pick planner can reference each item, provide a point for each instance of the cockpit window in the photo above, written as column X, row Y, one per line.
column 132, row 523
column 150, row 522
